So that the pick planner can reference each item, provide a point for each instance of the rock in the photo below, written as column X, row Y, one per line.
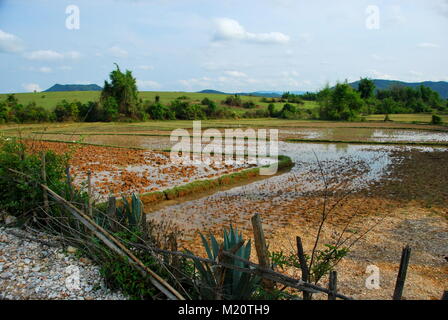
column 6, row 275
column 71, row 250
column 25, row 272
column 10, row 220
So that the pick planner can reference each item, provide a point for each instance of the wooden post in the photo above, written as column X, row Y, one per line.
column 260, row 246
column 333, row 285
column 89, row 192
column 69, row 182
column 111, row 209
column 401, row 277
column 303, row 266
column 44, row 179
column 445, row 295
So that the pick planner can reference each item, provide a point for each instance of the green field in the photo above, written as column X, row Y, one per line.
column 50, row 99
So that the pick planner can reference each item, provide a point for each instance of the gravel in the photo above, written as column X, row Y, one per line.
column 43, row 270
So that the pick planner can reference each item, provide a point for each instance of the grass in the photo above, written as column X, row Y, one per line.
column 207, row 185
column 50, row 99
column 425, row 118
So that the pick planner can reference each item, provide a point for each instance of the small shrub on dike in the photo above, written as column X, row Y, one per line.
column 436, row 119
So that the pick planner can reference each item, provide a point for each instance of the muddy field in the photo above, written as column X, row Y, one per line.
column 398, row 194
column 119, row 171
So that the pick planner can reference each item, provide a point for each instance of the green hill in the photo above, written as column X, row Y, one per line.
column 441, row 87
column 74, row 87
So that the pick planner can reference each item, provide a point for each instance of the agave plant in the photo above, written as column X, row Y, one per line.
column 217, row 282
column 130, row 213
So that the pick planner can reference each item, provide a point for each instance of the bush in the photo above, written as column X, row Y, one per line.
column 22, row 196
column 249, row 105
column 158, row 111
column 66, row 111
column 340, row 103
column 271, row 110
column 234, row 101
column 290, row 111
column 185, row 111
column 436, row 119
column 30, row 113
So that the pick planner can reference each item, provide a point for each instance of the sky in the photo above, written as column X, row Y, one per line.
column 227, row 45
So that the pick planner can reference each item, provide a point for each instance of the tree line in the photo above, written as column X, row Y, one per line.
column 343, row 102
column 119, row 101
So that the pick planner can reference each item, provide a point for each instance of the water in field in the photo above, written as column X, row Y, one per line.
column 345, row 167
column 365, row 134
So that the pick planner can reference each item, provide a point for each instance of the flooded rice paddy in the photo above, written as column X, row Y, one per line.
column 345, row 167
column 392, row 195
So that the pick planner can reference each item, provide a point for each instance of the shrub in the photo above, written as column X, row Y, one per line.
column 290, row 111
column 234, row 101
column 158, row 111
column 29, row 113
column 21, row 196
column 271, row 110
column 436, row 119
column 340, row 103
column 249, row 105
column 66, row 111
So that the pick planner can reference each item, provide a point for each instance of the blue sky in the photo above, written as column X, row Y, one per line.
column 229, row 45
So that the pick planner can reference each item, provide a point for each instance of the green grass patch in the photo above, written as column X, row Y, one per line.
column 200, row 186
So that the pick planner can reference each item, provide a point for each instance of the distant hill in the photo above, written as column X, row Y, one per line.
column 441, row 87
column 268, row 94
column 74, row 87
column 209, row 91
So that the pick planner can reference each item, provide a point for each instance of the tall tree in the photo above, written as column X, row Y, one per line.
column 366, row 88
column 123, row 88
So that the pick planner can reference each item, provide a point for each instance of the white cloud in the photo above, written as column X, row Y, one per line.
column 10, row 43
column 427, row 45
column 31, row 87
column 236, row 74
column 45, row 69
column 65, row 68
column 51, row 55
column 380, row 75
column 146, row 68
column 118, row 52
column 442, row 8
column 229, row 29
column 290, row 73
column 147, row 85
column 72, row 55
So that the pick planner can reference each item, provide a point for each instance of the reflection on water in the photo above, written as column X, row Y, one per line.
column 365, row 134
column 357, row 165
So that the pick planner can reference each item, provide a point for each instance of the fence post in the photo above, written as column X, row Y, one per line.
column 333, row 285
column 260, row 246
column 89, row 192
column 44, row 179
column 445, row 295
column 303, row 266
column 69, row 182
column 401, row 277
column 111, row 209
